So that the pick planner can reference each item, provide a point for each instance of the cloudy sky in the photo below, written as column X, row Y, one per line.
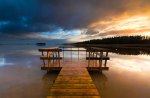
column 73, row 20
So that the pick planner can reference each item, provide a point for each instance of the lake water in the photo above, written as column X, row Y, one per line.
column 20, row 75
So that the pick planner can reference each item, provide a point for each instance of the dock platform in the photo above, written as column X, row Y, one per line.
column 73, row 82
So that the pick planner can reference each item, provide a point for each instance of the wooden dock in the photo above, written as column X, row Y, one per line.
column 73, row 82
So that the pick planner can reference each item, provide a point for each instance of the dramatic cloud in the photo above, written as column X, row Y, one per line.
column 56, row 19
column 40, row 15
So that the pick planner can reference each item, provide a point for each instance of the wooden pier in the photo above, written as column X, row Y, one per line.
column 74, row 80
column 73, row 83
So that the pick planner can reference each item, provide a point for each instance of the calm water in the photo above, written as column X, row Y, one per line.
column 20, row 75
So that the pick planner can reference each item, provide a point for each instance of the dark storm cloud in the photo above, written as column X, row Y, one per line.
column 21, row 16
column 72, row 14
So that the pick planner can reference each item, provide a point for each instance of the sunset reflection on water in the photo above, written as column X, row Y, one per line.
column 128, row 75
column 138, row 63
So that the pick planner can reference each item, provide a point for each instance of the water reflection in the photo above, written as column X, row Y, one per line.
column 128, row 75
column 49, row 79
column 100, row 80
column 140, row 63
column 130, row 51
column 2, row 62
column 20, row 74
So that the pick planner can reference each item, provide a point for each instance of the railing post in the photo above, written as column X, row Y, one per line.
column 78, row 54
column 59, row 58
column 63, row 54
column 89, row 59
column 49, row 61
column 106, row 60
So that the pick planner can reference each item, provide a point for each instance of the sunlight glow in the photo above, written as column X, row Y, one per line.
column 135, row 24
column 138, row 63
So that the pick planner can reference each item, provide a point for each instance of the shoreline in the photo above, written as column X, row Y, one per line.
column 120, row 46
column 114, row 45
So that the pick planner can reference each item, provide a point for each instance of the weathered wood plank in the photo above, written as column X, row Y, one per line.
column 73, row 50
column 50, row 58
column 73, row 73
column 74, row 86
column 74, row 92
column 73, row 68
column 73, row 97
column 51, row 68
column 72, row 78
column 98, row 68
column 73, row 83
column 98, row 58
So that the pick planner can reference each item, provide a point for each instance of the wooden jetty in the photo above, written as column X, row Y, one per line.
column 73, row 83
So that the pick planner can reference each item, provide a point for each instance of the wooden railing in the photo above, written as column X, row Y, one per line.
column 96, row 56
column 51, row 58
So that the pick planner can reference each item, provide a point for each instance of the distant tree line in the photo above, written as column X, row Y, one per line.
column 120, row 40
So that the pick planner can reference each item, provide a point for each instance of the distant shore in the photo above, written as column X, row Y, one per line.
column 129, row 49
column 115, row 45
column 140, row 46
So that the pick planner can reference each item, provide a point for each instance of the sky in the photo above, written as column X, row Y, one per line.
column 73, row 20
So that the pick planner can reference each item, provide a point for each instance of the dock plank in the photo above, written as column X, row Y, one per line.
column 74, row 92
column 72, row 78
column 73, row 83
column 74, row 86
column 73, row 97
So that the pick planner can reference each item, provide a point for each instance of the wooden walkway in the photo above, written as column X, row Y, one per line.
column 73, row 83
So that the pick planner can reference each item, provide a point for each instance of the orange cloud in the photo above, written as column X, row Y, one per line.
column 123, row 25
column 134, row 19
column 125, row 32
